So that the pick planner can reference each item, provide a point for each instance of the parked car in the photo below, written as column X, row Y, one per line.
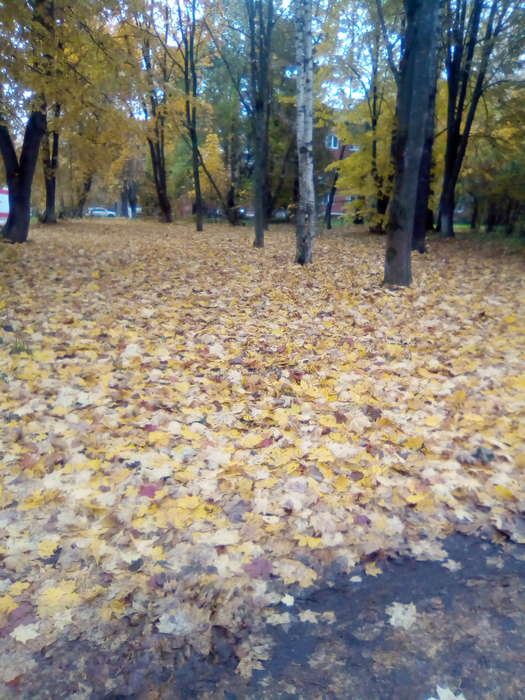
column 100, row 212
column 246, row 213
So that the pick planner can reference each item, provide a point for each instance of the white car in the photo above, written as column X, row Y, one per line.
column 100, row 212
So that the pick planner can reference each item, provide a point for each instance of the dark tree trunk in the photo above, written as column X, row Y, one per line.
column 330, row 202
column 158, row 166
column 260, row 28
column 475, row 213
column 423, row 193
column 492, row 217
column 259, row 177
column 124, row 201
column 332, row 193
column 417, row 75
column 232, row 211
column 50, row 164
column 19, row 174
column 187, row 27
column 199, row 207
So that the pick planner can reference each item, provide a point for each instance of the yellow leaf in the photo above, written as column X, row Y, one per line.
column 328, row 421
column 189, row 434
column 54, row 599
column 321, row 454
column 433, row 421
column 19, row 587
column 341, row 483
column 306, row 541
column 424, row 373
column 414, row 443
column 372, row 569
column 504, row 492
column 7, row 604
column 159, row 437
column 43, row 356
column 517, row 382
column 47, row 547
column 250, row 440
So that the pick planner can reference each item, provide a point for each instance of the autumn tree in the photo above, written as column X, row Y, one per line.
column 146, row 30
column 416, row 82
column 251, row 24
column 357, row 67
column 480, row 44
column 25, row 60
column 186, row 61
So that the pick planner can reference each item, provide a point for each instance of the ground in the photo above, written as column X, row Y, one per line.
column 221, row 467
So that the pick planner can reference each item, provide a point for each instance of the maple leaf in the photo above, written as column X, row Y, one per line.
column 401, row 615
column 24, row 633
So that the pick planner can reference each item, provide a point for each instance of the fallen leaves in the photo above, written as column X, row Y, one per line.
column 190, row 431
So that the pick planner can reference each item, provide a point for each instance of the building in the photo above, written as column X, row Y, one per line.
column 4, row 205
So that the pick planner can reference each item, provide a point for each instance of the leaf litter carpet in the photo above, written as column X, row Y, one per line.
column 192, row 428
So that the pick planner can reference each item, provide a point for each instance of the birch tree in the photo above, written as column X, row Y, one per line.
column 306, row 215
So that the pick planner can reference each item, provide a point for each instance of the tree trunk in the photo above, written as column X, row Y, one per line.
column 19, row 174
column 232, row 211
column 260, row 27
column 475, row 213
column 417, row 75
column 199, row 208
column 159, row 175
column 82, row 199
column 306, row 214
column 124, row 201
column 259, row 179
column 332, row 193
column 132, row 198
column 50, row 165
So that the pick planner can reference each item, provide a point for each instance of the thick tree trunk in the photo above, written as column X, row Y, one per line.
column 447, row 205
column 417, row 75
column 50, row 165
column 306, row 214
column 423, row 193
column 260, row 30
column 19, row 174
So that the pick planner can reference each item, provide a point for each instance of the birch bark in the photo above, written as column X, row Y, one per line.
column 306, row 214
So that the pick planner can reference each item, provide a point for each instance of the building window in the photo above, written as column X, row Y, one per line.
column 332, row 142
